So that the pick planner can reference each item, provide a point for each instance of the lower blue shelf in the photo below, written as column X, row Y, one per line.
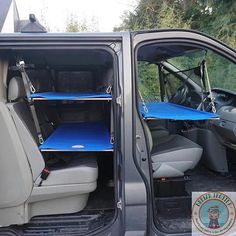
column 84, row 136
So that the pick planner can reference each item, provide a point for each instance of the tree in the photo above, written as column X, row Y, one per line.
column 73, row 24
column 153, row 14
column 216, row 18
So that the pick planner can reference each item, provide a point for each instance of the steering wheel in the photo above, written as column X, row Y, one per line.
column 180, row 95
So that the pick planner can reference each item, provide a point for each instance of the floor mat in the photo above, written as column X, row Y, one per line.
column 102, row 198
column 81, row 223
column 204, row 180
column 174, row 214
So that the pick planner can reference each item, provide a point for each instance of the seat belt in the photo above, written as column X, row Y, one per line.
column 209, row 88
column 44, row 175
column 29, row 89
column 3, row 77
column 143, row 102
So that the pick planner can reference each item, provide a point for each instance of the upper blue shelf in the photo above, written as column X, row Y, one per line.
column 83, row 136
column 165, row 110
column 71, row 96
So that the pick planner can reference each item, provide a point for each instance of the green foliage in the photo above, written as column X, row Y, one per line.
column 148, row 81
column 153, row 14
column 214, row 17
column 189, row 60
column 73, row 25
column 222, row 72
column 169, row 17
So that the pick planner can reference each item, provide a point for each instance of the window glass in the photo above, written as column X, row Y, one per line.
column 148, row 81
column 172, row 84
column 189, row 60
column 222, row 72
column 189, row 64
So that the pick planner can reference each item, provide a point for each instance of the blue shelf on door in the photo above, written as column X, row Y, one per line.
column 165, row 110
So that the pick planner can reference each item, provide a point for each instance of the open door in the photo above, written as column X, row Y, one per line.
column 185, row 119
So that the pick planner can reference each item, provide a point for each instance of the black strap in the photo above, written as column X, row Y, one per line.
column 36, row 122
column 29, row 89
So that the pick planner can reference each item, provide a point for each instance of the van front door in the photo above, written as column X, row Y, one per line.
column 172, row 70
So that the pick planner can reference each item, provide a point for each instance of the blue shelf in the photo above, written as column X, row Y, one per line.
column 71, row 96
column 165, row 110
column 83, row 136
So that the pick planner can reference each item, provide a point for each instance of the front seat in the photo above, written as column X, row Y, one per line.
column 66, row 190
column 173, row 155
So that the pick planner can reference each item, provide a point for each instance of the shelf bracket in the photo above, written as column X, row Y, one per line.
column 116, row 47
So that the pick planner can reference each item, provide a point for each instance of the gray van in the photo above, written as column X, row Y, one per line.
column 110, row 134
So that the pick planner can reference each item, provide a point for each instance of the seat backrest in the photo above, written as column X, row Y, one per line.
column 22, row 117
column 16, row 181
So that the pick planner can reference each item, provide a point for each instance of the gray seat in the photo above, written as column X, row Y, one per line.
column 66, row 190
column 158, row 128
column 173, row 155
column 158, row 131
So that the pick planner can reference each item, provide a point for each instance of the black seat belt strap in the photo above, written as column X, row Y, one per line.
column 29, row 89
column 36, row 122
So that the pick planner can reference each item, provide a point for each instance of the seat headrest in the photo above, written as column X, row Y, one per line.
column 16, row 89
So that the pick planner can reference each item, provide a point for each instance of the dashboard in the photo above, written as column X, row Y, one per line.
column 223, row 97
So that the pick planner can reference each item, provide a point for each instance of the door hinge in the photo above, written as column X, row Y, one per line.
column 119, row 204
column 118, row 100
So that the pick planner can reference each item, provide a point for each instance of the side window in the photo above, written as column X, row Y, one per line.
column 222, row 72
column 148, row 81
